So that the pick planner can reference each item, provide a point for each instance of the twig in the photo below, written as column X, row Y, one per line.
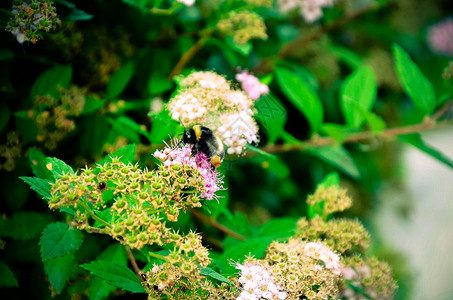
column 217, row 225
column 93, row 215
column 133, row 262
column 300, row 43
column 355, row 137
column 187, row 56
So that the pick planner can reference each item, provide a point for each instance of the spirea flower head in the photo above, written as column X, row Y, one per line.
column 251, row 85
column 258, row 283
column 243, row 26
column 369, row 274
column 207, row 99
column 310, row 10
column 333, row 199
column 187, row 2
column 440, row 37
column 31, row 18
column 182, row 157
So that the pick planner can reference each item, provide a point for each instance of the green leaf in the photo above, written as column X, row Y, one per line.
column 6, row 54
column 331, row 179
column 116, row 275
column 352, row 59
column 38, row 164
column 25, row 126
column 39, row 185
column 213, row 274
column 79, row 15
column 59, row 239
column 259, row 151
column 125, row 153
column 92, row 105
column 243, row 49
column 272, row 115
column 416, row 141
column 59, row 270
column 338, row 157
column 278, row 228
column 301, row 95
column 119, row 80
column 58, row 167
column 376, row 123
column 158, row 83
column 115, row 253
column 302, row 72
column 128, row 128
column 24, row 225
column 415, row 84
column 358, row 94
column 48, row 82
column 7, row 278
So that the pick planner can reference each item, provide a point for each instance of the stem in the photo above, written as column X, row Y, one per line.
column 162, row 11
column 186, row 57
column 133, row 262
column 158, row 256
column 355, row 137
column 303, row 42
column 217, row 225
column 93, row 215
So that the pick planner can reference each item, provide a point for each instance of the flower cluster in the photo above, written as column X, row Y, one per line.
column 53, row 117
column 258, row 283
column 342, row 235
column 243, row 26
column 141, row 199
column 309, row 270
column 332, row 199
column 207, row 98
column 251, row 85
column 180, row 271
column 186, row 2
column 374, row 277
column 440, row 37
column 31, row 18
column 9, row 151
column 310, row 10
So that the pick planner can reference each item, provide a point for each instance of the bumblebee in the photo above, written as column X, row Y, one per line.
column 204, row 140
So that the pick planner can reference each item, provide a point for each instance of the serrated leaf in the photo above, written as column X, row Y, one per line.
column 213, row 274
column 272, row 115
column 415, row 84
column 116, row 275
column 58, row 167
column 38, row 164
column 416, row 141
column 48, row 82
column 302, row 96
column 358, row 94
column 338, row 157
column 7, row 278
column 24, row 225
column 125, row 153
column 39, row 185
column 119, row 80
column 59, row 239
column 59, row 270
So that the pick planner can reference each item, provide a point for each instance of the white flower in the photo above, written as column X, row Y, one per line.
column 187, row 2
column 258, row 283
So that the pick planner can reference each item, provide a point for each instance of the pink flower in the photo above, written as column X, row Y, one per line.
column 251, row 85
column 440, row 37
column 182, row 156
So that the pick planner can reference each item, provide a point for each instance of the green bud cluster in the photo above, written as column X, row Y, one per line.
column 244, row 26
column 332, row 199
column 342, row 235
column 141, row 200
column 180, row 275
column 371, row 275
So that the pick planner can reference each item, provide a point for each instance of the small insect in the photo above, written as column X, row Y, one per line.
column 204, row 140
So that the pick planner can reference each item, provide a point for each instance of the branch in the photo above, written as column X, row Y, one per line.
column 214, row 223
column 300, row 43
column 134, row 263
column 429, row 123
column 186, row 57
